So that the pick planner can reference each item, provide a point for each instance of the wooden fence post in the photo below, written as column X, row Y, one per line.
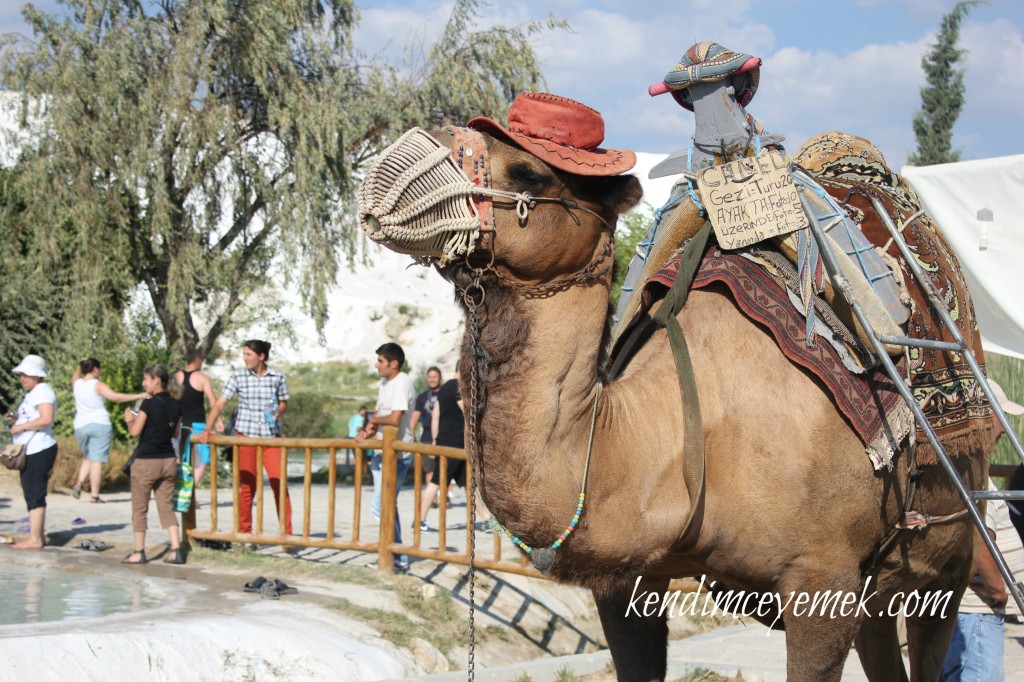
column 388, row 499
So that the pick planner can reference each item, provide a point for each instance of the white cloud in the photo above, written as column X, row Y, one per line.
column 871, row 92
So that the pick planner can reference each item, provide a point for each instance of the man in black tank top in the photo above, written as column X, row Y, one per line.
column 196, row 388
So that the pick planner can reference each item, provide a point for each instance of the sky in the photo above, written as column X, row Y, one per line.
column 852, row 65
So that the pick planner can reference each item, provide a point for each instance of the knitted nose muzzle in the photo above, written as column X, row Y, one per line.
column 425, row 200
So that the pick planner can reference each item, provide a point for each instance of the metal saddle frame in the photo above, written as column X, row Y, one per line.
column 841, row 284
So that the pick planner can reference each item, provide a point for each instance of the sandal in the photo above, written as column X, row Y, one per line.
column 142, row 558
column 284, row 589
column 76, row 490
column 96, row 499
column 269, row 590
column 254, row 585
column 174, row 556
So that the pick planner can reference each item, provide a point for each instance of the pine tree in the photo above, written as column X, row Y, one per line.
column 209, row 151
column 943, row 96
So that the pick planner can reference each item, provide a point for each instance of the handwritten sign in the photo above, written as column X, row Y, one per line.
column 750, row 200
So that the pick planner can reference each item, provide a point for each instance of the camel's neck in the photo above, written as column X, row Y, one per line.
column 540, row 384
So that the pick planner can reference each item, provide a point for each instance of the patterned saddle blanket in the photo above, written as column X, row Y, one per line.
column 852, row 171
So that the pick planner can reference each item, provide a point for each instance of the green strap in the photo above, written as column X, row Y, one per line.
column 693, row 439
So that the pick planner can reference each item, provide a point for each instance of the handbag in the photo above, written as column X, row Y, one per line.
column 126, row 468
column 184, row 485
column 13, row 456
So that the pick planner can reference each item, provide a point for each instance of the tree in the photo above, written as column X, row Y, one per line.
column 943, row 97
column 203, row 148
column 632, row 228
column 31, row 299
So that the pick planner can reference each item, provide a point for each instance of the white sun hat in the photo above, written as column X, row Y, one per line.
column 1009, row 407
column 33, row 366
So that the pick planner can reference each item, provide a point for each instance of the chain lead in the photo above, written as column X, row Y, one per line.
column 473, row 296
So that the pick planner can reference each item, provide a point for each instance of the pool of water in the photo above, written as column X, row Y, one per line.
column 44, row 595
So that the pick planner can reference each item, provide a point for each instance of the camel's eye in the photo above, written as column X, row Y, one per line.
column 525, row 177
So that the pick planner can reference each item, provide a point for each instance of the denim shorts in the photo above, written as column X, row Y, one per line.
column 94, row 439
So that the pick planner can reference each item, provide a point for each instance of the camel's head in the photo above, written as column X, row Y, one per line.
column 534, row 198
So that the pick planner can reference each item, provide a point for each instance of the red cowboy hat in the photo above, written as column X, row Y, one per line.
column 561, row 132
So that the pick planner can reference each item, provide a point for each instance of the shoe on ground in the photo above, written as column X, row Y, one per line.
column 426, row 528
column 401, row 567
column 282, row 588
column 268, row 590
column 254, row 585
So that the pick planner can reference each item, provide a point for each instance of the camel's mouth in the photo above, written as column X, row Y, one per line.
column 418, row 199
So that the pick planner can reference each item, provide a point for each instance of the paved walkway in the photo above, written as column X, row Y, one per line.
column 560, row 619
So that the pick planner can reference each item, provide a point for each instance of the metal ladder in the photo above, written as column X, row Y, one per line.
column 969, row 497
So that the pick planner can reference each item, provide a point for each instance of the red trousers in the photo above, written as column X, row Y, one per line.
column 247, row 486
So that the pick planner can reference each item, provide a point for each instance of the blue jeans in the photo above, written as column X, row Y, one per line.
column 403, row 468
column 976, row 652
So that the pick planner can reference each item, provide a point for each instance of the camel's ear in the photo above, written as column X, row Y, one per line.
column 618, row 192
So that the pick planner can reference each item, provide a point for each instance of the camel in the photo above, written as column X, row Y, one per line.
column 792, row 505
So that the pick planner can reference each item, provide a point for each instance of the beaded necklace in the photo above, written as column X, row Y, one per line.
column 543, row 558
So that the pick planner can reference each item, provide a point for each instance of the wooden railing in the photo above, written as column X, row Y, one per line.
column 385, row 545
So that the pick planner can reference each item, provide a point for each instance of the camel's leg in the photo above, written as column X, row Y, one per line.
column 928, row 632
column 817, row 648
column 638, row 643
column 878, row 647
column 819, row 631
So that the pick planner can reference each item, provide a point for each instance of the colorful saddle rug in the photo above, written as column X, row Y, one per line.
column 869, row 401
column 852, row 171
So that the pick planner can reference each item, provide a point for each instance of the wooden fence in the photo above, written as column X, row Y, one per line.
column 384, row 545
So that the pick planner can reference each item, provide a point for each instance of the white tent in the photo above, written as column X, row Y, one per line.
column 990, row 249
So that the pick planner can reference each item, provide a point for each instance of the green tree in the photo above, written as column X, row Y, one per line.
column 632, row 228
column 203, row 149
column 943, row 96
column 32, row 298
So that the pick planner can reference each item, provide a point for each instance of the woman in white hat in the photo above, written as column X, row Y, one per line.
column 32, row 427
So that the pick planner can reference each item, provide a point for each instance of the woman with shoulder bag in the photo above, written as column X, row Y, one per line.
column 155, row 465
column 32, row 428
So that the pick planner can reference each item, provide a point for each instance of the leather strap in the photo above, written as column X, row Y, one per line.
column 693, row 439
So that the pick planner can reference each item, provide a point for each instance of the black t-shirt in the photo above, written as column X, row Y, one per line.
column 451, row 425
column 162, row 415
column 425, row 406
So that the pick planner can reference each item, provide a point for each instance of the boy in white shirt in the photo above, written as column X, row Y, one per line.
column 396, row 399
